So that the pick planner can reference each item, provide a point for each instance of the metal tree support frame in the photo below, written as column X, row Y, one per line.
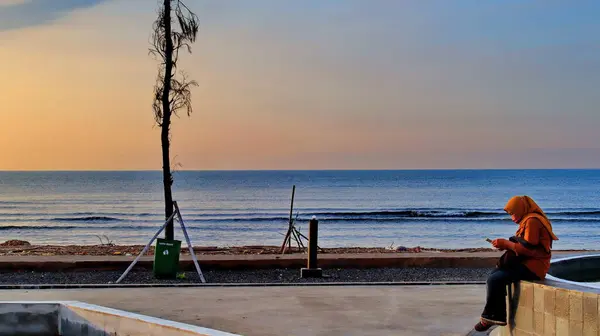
column 187, row 240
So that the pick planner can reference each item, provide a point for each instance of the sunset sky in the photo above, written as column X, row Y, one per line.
column 311, row 84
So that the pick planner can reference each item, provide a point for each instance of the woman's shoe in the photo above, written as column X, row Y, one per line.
column 482, row 326
column 486, row 324
column 493, row 321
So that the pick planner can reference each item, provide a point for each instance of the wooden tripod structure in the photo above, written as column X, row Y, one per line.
column 293, row 232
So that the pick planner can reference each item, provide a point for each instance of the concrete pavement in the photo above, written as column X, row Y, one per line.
column 263, row 311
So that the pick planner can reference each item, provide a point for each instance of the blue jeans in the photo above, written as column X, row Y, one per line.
column 495, row 306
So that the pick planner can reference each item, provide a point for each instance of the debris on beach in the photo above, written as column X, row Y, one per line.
column 17, row 247
column 16, row 242
column 408, row 249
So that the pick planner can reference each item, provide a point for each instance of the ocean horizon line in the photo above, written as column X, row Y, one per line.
column 298, row 170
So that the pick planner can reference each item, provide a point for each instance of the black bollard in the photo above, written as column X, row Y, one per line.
column 311, row 270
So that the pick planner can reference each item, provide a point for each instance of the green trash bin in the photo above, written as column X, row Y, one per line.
column 166, row 258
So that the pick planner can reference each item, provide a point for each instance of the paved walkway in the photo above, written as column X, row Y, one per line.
column 264, row 311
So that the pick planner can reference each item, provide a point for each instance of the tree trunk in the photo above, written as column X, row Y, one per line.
column 166, row 124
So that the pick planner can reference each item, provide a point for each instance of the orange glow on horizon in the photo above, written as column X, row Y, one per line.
column 76, row 95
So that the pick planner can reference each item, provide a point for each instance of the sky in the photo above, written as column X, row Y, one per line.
column 312, row 84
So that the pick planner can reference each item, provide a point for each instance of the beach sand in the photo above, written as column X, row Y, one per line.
column 17, row 247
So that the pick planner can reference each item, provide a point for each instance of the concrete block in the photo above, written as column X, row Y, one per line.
column 561, row 304
column 575, row 328
column 538, row 298
column 576, row 306
column 588, row 331
column 562, row 326
column 524, row 318
column 549, row 299
column 521, row 332
column 538, row 323
column 526, row 294
column 590, row 314
column 549, row 324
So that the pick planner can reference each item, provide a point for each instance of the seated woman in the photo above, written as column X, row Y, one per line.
column 527, row 257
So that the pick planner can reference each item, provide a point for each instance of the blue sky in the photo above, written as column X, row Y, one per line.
column 332, row 84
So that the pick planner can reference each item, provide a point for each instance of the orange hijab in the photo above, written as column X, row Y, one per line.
column 525, row 208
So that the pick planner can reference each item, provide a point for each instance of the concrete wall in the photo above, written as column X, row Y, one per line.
column 28, row 318
column 70, row 318
column 552, row 308
column 86, row 319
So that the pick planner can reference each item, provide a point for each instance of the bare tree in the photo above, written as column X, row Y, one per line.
column 172, row 91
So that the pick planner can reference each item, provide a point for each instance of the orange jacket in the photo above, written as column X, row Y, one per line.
column 536, row 248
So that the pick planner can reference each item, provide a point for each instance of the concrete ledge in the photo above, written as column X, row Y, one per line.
column 554, row 306
column 576, row 269
column 540, row 308
column 109, row 321
column 72, row 318
column 231, row 262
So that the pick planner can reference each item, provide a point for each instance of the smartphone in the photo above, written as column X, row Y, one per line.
column 488, row 240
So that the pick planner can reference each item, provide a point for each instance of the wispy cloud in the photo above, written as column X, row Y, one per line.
column 39, row 12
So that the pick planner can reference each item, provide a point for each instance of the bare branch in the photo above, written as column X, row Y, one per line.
column 180, row 88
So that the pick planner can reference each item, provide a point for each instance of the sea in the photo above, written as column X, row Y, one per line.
column 367, row 208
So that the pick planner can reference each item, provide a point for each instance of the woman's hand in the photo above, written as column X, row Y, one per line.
column 496, row 243
column 503, row 244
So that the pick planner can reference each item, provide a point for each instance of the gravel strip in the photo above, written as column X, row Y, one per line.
column 252, row 276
